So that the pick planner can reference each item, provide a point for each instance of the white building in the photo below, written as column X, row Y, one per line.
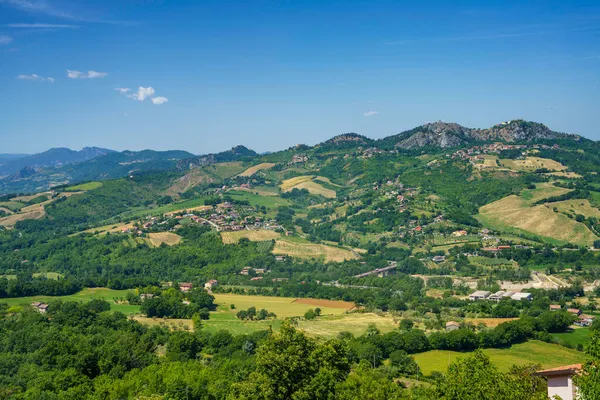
column 560, row 381
column 479, row 295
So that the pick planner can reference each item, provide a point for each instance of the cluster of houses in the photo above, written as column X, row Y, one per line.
column 582, row 319
column 474, row 153
column 499, row 296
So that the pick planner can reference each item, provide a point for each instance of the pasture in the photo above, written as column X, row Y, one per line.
column 356, row 323
column 12, row 205
column 253, row 170
column 259, row 235
column 309, row 183
column 84, row 187
column 533, row 163
column 518, row 214
column 577, row 206
column 168, row 238
column 283, row 307
column 300, row 248
column 11, row 220
column 575, row 336
column 546, row 354
column 112, row 296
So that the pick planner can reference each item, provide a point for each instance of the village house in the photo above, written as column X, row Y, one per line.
column 560, row 381
column 452, row 325
column 146, row 296
column 257, row 278
column 459, row 233
column 40, row 307
column 555, row 307
column 210, row 285
column 574, row 311
column 438, row 259
column 585, row 320
column 245, row 271
column 185, row 287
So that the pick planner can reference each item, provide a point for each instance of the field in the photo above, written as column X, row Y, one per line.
column 168, row 238
column 295, row 247
column 47, row 275
column 308, row 183
column 10, row 220
column 260, row 235
column 12, row 205
column 533, row 351
column 532, row 163
column 575, row 336
column 283, row 307
column 252, row 170
column 356, row 323
column 84, row 187
column 258, row 200
column 85, row 295
column 225, row 170
column 489, row 322
column 576, row 207
column 517, row 213
column 26, row 199
column 113, row 228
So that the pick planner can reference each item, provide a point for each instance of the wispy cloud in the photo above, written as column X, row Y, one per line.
column 36, row 78
column 5, row 39
column 371, row 113
column 41, row 7
column 159, row 100
column 46, row 7
column 42, row 26
column 85, row 75
column 142, row 94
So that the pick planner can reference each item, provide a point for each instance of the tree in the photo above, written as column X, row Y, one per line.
column 589, row 379
column 406, row 324
column 310, row 314
column 405, row 363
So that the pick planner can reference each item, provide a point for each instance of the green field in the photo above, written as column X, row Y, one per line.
column 536, row 352
column 282, row 306
column 85, row 295
column 47, row 275
column 12, row 205
column 574, row 337
column 84, row 187
column 257, row 200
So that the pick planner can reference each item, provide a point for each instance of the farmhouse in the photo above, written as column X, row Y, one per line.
column 585, row 320
column 438, row 259
column 452, row 325
column 39, row 306
column 555, row 307
column 185, row 287
column 479, row 295
column 574, row 311
column 560, row 381
column 499, row 295
column 245, row 270
column 459, row 233
column 146, row 296
column 210, row 285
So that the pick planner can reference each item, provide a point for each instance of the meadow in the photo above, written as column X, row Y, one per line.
column 253, row 170
column 300, row 248
column 259, row 235
column 518, row 214
column 84, row 187
column 168, row 238
column 548, row 355
column 308, row 183
column 85, row 295
column 574, row 337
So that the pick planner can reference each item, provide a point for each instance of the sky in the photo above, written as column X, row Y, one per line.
column 204, row 75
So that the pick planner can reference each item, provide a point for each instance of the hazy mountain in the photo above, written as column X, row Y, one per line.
column 51, row 158
column 234, row 154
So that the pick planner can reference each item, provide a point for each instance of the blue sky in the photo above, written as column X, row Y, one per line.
column 206, row 75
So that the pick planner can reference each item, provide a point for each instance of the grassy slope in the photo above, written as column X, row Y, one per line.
column 518, row 214
column 533, row 351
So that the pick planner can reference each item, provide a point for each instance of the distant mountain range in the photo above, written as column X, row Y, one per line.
column 30, row 173
column 56, row 157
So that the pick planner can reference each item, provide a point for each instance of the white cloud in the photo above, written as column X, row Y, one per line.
column 122, row 90
column 42, row 26
column 142, row 93
column 83, row 75
column 4, row 39
column 371, row 113
column 36, row 78
column 159, row 100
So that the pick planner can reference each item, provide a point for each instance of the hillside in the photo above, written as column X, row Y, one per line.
column 51, row 158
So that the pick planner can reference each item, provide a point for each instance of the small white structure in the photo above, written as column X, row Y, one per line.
column 522, row 296
column 479, row 295
column 560, row 381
